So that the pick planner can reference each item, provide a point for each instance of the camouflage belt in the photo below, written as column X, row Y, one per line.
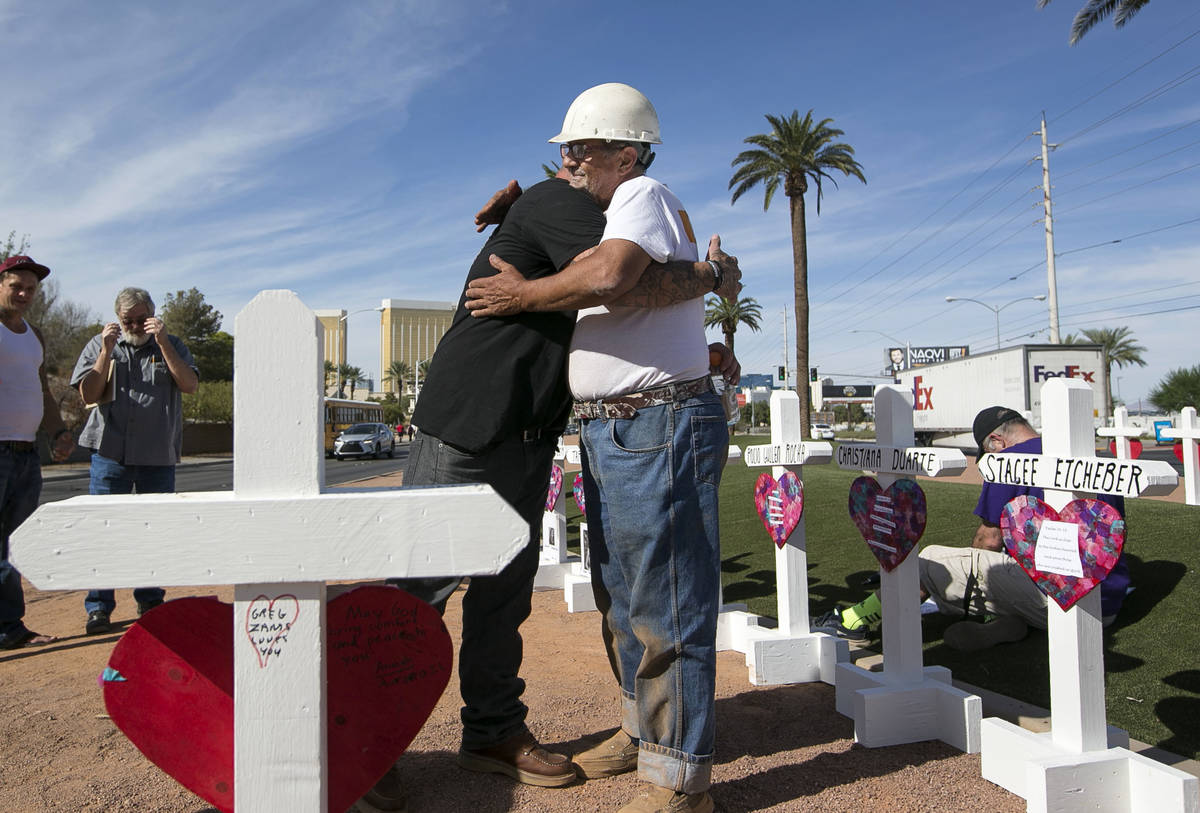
column 625, row 406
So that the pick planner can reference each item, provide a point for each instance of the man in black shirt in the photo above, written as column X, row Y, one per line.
column 492, row 407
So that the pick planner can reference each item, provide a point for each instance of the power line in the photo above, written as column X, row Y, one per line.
column 1150, row 96
column 1191, row 123
column 1120, row 239
column 1128, row 168
column 1128, row 188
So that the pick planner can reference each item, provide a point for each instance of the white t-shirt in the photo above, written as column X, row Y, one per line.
column 20, row 386
column 619, row 350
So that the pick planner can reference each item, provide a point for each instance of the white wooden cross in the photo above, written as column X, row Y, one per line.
column 1073, row 767
column 558, row 568
column 277, row 533
column 790, row 652
column 907, row 701
column 1188, row 429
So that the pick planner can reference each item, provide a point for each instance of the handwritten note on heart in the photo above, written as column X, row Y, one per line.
column 169, row 688
column 1101, row 536
column 780, row 504
column 556, row 481
column 891, row 520
column 268, row 622
column 577, row 491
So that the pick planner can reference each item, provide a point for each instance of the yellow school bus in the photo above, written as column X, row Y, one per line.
column 341, row 412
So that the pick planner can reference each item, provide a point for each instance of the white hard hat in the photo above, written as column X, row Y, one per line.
column 613, row 112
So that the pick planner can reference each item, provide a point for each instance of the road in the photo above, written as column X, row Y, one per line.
column 217, row 475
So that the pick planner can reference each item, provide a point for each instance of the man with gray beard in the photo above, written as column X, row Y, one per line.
column 132, row 375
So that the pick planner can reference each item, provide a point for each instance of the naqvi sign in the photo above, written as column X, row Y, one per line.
column 1129, row 478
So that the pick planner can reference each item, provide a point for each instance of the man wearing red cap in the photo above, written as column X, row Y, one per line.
column 27, row 405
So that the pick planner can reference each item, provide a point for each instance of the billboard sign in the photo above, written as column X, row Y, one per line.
column 920, row 356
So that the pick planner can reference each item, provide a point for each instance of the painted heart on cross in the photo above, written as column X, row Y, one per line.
column 1101, row 538
column 556, row 480
column 169, row 687
column 780, row 504
column 577, row 491
column 1177, row 449
column 1135, row 448
column 891, row 520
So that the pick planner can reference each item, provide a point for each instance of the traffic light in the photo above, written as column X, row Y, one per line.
column 782, row 373
column 812, row 373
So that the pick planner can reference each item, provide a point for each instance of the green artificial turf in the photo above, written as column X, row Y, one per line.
column 1152, row 652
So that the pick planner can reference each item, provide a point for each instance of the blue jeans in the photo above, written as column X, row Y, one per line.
column 651, row 484
column 20, row 487
column 110, row 477
column 494, row 607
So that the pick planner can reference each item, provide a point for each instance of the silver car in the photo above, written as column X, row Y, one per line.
column 364, row 439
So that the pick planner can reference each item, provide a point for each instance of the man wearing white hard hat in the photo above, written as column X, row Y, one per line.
column 653, row 439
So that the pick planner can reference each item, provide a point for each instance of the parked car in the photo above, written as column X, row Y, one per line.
column 822, row 431
column 363, row 439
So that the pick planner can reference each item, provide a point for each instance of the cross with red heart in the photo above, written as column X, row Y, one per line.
column 780, row 504
column 1135, row 448
column 1101, row 538
column 577, row 491
column 169, row 687
column 890, row 520
column 556, row 481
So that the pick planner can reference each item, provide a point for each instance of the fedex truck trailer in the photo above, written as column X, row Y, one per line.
column 947, row 396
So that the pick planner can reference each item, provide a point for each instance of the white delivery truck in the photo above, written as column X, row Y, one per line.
column 947, row 396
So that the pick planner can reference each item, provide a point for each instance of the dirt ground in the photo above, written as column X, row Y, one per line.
column 780, row 748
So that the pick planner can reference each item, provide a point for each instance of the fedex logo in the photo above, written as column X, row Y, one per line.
column 1040, row 373
column 922, row 396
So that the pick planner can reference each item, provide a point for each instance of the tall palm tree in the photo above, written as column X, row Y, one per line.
column 330, row 373
column 796, row 152
column 1119, row 348
column 1094, row 11
column 397, row 373
column 727, row 315
column 343, row 373
column 353, row 376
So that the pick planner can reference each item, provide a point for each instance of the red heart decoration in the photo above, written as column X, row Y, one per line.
column 1135, row 448
column 1177, row 448
column 1101, row 538
column 556, row 480
column 780, row 504
column 169, row 687
column 890, row 520
column 580, row 499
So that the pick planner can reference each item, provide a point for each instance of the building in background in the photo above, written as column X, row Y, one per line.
column 410, row 332
column 333, row 321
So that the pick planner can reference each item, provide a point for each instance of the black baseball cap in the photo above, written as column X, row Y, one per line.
column 988, row 420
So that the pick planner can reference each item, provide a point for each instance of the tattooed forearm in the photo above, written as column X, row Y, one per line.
column 665, row 284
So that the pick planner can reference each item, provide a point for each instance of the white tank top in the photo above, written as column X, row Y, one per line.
column 20, row 387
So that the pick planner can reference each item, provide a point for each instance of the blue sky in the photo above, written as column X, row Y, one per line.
column 340, row 150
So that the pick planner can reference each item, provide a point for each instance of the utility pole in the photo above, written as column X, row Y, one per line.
column 785, row 350
column 1051, row 281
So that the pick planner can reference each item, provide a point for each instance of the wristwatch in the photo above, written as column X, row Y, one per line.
column 716, row 274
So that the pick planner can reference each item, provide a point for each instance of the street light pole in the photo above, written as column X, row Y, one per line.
column 996, row 309
column 341, row 326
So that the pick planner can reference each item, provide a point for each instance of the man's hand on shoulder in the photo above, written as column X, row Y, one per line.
column 731, row 275
column 497, row 206
column 497, row 295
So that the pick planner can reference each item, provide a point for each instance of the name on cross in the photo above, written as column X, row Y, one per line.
column 773, row 454
column 898, row 460
column 1129, row 478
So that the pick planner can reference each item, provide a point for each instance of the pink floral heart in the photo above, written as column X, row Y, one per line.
column 577, row 490
column 556, row 478
column 891, row 520
column 780, row 503
column 1135, row 448
column 1101, row 538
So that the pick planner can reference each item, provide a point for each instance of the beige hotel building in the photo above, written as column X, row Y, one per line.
column 409, row 331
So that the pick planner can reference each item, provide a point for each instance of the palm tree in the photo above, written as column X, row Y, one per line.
column 353, row 376
column 726, row 315
column 1094, row 11
column 795, row 152
column 1119, row 348
column 551, row 169
column 343, row 375
column 330, row 372
column 397, row 373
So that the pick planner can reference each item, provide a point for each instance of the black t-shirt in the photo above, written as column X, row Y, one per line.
column 491, row 378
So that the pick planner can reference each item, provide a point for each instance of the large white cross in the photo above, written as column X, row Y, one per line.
column 277, row 533
column 1072, row 767
column 790, row 652
column 1188, row 429
column 907, row 701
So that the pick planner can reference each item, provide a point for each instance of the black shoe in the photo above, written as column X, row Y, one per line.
column 388, row 793
column 97, row 623
column 832, row 621
column 146, row 606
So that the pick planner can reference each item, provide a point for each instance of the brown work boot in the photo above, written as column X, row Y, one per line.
column 388, row 793
column 617, row 754
column 521, row 758
column 655, row 799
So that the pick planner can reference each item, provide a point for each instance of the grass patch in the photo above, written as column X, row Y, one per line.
column 1152, row 676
